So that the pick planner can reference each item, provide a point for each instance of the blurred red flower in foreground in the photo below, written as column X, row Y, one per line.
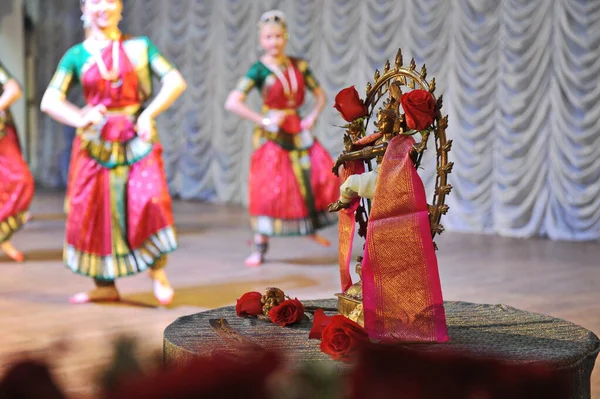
column 219, row 376
column 29, row 379
column 390, row 371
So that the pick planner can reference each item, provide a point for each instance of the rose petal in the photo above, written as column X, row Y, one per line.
column 320, row 321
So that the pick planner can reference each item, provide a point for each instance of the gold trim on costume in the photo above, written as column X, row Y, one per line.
column 311, row 83
column 110, row 267
column 61, row 81
column 302, row 65
column 245, row 85
column 299, row 159
column 299, row 141
column 160, row 66
column 291, row 227
column 10, row 225
column 128, row 110
column 115, row 153
column 112, row 154
column 118, row 183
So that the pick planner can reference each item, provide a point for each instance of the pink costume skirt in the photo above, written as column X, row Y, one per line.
column 291, row 185
column 16, row 184
column 119, row 218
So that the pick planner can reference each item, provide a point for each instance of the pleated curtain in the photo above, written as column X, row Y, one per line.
column 519, row 80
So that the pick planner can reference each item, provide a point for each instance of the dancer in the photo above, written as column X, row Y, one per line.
column 290, row 173
column 119, row 219
column 16, row 181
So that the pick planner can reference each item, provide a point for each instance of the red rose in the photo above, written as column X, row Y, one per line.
column 350, row 105
column 342, row 338
column 419, row 108
column 249, row 304
column 320, row 321
column 287, row 312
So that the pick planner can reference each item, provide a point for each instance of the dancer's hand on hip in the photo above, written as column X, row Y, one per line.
column 307, row 123
column 145, row 126
column 276, row 117
column 92, row 115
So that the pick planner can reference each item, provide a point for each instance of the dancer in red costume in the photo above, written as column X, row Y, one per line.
column 290, row 180
column 16, row 182
column 119, row 219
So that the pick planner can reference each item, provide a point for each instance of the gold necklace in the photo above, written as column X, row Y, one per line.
column 113, row 75
column 290, row 88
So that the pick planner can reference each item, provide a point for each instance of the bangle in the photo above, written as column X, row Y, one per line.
column 269, row 126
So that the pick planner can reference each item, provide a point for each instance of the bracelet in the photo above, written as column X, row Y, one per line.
column 269, row 126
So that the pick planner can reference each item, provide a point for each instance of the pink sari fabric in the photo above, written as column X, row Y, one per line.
column 148, row 203
column 402, row 296
column 16, row 184
column 119, row 211
column 347, row 226
column 275, row 190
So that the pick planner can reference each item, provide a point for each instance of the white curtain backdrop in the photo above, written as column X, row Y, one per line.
column 519, row 79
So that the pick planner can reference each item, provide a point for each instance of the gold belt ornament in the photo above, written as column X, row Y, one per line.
column 299, row 141
column 287, row 111
column 111, row 154
column 126, row 110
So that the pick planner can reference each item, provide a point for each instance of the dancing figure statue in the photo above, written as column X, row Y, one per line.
column 399, row 297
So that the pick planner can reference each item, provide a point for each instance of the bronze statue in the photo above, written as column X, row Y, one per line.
column 399, row 295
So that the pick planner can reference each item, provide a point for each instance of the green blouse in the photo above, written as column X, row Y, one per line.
column 143, row 54
column 258, row 74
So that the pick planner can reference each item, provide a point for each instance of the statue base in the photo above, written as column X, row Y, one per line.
column 351, row 307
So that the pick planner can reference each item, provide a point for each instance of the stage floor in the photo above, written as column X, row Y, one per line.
column 561, row 279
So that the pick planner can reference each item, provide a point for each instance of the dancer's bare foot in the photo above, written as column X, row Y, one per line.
column 261, row 246
column 162, row 288
column 11, row 251
column 98, row 294
column 255, row 259
column 320, row 240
